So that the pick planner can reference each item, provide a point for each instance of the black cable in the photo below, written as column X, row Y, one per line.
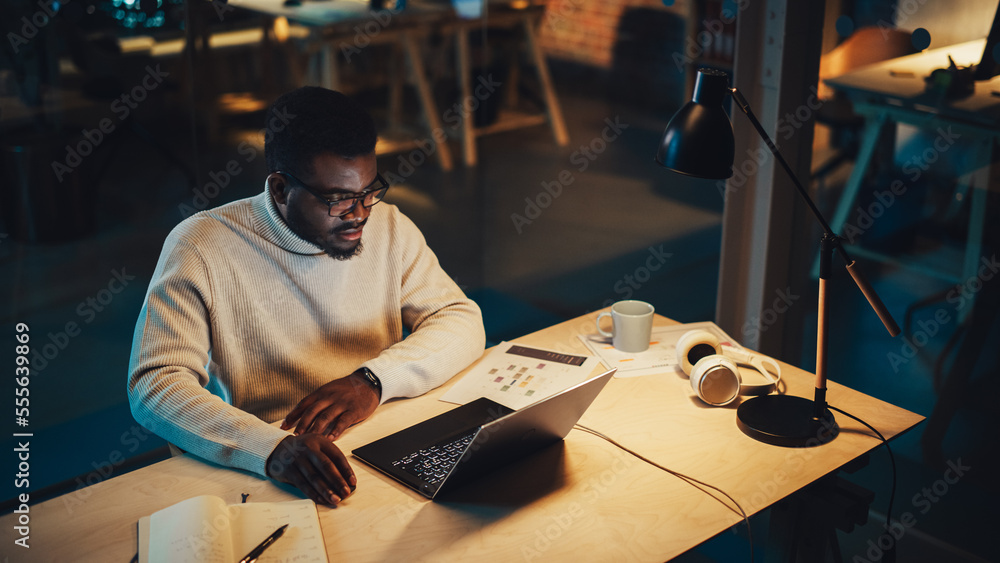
column 689, row 480
column 890, row 554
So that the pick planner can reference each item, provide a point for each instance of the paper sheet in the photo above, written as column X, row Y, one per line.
column 516, row 376
column 659, row 358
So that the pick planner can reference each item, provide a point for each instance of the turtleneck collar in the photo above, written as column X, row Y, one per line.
column 269, row 223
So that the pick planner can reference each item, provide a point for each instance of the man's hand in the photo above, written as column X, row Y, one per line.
column 333, row 408
column 313, row 464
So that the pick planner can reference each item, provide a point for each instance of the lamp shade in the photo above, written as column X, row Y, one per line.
column 698, row 140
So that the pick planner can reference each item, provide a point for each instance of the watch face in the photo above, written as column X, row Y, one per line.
column 371, row 378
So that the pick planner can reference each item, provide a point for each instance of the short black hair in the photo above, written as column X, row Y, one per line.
column 310, row 121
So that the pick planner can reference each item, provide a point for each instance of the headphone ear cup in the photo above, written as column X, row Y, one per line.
column 694, row 345
column 716, row 380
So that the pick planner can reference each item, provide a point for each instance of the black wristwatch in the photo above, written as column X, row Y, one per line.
column 370, row 379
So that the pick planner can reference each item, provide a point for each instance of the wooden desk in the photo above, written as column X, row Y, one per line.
column 900, row 82
column 583, row 498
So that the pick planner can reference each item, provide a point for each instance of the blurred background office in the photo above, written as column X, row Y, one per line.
column 520, row 139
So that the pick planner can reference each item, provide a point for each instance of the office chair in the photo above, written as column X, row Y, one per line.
column 867, row 45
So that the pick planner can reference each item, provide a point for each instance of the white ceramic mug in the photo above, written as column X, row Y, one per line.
column 631, row 325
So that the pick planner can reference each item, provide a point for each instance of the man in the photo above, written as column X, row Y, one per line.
column 271, row 308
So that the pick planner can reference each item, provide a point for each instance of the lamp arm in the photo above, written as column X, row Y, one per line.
column 745, row 108
column 869, row 292
column 873, row 299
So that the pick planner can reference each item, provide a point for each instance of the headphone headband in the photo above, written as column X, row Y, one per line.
column 713, row 370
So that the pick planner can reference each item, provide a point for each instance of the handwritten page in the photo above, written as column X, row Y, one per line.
column 205, row 530
column 302, row 541
column 516, row 376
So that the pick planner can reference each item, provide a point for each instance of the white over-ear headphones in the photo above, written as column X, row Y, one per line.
column 713, row 371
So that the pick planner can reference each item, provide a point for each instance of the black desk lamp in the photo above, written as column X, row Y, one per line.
column 698, row 141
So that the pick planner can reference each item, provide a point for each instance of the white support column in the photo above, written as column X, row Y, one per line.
column 768, row 235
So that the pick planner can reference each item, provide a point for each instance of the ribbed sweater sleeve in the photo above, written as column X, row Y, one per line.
column 242, row 319
column 447, row 328
column 170, row 353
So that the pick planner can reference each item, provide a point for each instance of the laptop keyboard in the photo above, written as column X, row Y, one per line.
column 433, row 463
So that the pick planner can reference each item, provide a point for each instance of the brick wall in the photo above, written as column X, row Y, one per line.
column 585, row 31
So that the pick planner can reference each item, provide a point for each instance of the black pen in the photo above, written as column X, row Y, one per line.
column 257, row 551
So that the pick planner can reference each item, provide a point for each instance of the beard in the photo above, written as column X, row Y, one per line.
column 340, row 253
column 323, row 238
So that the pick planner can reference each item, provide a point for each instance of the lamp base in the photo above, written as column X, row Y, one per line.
column 784, row 420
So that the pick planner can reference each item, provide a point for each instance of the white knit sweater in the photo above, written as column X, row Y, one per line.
column 243, row 318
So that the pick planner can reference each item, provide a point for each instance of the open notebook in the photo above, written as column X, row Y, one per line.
column 205, row 530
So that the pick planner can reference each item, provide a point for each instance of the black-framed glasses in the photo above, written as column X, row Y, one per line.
column 342, row 204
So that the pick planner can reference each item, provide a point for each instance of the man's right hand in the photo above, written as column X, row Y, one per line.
column 313, row 464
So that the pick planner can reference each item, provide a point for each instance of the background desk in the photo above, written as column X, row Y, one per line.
column 584, row 498
column 895, row 92
column 348, row 27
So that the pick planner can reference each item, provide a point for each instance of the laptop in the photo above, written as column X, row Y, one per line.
column 452, row 449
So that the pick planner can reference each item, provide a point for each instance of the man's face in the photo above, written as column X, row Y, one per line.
column 308, row 216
